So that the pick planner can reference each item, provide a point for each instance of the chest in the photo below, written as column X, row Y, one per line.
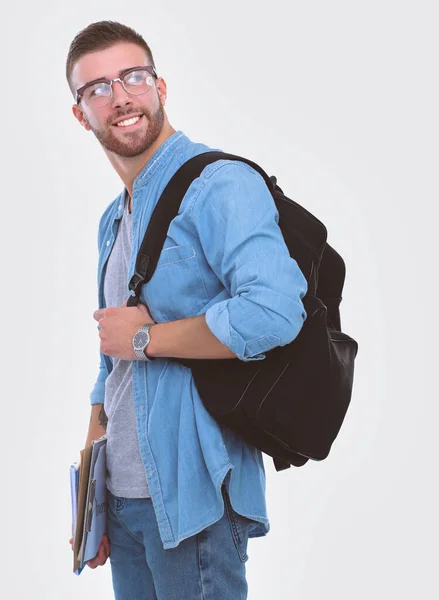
column 183, row 282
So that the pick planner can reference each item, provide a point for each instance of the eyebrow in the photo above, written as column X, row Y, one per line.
column 120, row 74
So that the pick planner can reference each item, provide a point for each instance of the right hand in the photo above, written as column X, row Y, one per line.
column 103, row 552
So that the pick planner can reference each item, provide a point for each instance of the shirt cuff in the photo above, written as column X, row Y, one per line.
column 218, row 321
column 97, row 395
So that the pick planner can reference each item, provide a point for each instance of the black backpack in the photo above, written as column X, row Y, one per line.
column 291, row 404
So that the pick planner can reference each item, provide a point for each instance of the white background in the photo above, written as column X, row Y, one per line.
column 338, row 100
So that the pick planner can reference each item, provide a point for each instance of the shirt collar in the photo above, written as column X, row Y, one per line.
column 156, row 163
column 160, row 158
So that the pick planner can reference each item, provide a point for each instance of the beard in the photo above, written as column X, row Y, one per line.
column 136, row 142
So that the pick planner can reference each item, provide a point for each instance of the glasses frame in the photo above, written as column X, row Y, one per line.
column 80, row 91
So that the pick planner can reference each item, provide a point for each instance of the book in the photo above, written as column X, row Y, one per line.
column 89, row 502
column 74, row 486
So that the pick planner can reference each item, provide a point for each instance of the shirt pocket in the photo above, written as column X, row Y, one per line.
column 176, row 290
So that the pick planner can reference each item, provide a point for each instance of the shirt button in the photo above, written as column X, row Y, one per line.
column 108, row 242
column 120, row 206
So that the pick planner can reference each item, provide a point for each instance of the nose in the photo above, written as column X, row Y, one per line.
column 120, row 96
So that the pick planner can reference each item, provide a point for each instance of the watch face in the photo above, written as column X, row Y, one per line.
column 141, row 339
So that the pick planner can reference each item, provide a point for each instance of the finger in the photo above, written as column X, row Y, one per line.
column 124, row 304
column 97, row 561
column 107, row 549
column 144, row 310
column 98, row 314
column 102, row 552
column 100, row 557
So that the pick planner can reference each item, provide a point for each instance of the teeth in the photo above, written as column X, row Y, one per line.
column 128, row 122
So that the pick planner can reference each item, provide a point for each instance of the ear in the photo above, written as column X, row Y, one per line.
column 80, row 116
column 162, row 90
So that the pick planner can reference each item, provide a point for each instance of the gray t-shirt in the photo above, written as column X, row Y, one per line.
column 126, row 474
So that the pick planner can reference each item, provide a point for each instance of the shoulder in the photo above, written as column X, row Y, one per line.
column 231, row 169
column 234, row 185
column 230, row 178
column 221, row 168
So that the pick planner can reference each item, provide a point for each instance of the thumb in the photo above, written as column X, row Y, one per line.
column 124, row 304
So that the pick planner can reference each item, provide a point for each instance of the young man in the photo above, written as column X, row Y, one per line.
column 185, row 494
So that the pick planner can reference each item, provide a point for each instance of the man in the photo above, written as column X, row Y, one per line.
column 185, row 494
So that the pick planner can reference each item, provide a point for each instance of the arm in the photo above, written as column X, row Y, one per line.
column 98, row 418
column 98, row 424
column 236, row 220
column 186, row 338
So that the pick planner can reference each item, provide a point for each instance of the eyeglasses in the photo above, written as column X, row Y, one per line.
column 98, row 93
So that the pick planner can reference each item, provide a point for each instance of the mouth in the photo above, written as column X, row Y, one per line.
column 129, row 123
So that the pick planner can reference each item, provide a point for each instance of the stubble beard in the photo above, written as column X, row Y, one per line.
column 136, row 142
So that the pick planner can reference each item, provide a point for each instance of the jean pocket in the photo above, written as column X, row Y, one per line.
column 239, row 527
column 116, row 502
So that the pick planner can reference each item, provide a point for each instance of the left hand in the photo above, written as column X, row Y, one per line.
column 117, row 327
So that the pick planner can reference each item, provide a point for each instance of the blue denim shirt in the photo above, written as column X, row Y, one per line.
column 224, row 257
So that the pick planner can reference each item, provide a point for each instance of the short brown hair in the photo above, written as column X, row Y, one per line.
column 99, row 36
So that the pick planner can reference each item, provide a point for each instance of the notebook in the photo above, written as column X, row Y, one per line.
column 89, row 502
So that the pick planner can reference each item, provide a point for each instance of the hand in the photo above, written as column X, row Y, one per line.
column 117, row 327
column 71, row 539
column 103, row 552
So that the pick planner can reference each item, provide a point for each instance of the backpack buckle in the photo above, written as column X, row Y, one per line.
column 135, row 281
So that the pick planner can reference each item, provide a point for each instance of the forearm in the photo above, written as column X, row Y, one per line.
column 97, row 425
column 186, row 338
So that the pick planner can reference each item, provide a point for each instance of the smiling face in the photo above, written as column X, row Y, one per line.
column 128, row 125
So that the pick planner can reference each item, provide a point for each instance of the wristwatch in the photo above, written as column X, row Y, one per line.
column 141, row 340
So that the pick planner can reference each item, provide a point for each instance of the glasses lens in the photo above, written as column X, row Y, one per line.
column 137, row 82
column 98, row 94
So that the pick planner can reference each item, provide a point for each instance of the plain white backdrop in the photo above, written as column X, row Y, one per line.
column 339, row 101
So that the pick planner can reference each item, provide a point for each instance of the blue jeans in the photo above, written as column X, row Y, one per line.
column 207, row 566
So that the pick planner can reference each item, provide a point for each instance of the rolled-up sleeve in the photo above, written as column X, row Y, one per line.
column 237, row 223
column 97, row 395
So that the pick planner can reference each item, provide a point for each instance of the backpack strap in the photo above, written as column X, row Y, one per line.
column 167, row 209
